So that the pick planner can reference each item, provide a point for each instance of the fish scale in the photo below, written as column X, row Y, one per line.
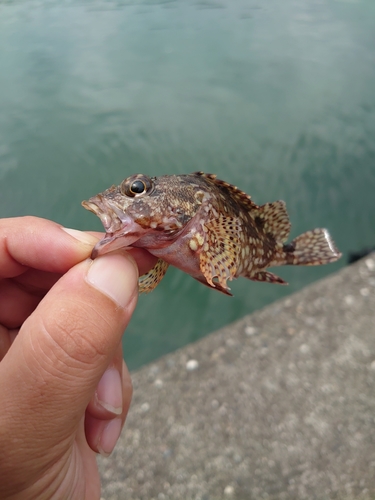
column 206, row 227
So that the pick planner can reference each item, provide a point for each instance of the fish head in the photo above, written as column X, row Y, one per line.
column 148, row 212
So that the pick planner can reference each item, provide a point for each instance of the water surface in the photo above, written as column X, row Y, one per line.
column 275, row 97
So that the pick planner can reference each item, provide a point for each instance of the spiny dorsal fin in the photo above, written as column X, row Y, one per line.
column 274, row 219
column 241, row 197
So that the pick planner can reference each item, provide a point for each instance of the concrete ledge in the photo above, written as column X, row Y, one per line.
column 280, row 405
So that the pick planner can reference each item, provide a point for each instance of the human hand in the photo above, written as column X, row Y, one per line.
column 64, row 389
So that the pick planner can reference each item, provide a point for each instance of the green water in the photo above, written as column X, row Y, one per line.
column 275, row 97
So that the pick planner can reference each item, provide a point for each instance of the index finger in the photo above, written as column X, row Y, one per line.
column 31, row 242
column 40, row 244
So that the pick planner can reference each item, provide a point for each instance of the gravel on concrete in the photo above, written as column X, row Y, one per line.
column 279, row 405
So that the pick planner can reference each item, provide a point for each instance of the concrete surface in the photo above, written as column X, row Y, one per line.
column 280, row 405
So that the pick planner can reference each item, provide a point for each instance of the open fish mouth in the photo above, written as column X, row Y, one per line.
column 121, row 230
column 112, row 218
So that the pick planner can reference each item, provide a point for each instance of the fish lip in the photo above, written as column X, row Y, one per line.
column 112, row 242
column 99, row 206
column 111, row 216
column 121, row 229
column 120, row 239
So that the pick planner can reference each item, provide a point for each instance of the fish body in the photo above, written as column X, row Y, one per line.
column 204, row 226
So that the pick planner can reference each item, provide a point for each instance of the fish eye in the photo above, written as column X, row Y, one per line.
column 136, row 186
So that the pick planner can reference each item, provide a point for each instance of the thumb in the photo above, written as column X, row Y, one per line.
column 56, row 361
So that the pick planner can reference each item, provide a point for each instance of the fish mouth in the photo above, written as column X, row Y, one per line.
column 121, row 230
column 109, row 214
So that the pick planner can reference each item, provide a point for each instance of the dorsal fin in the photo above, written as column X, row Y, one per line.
column 274, row 219
column 272, row 216
column 241, row 197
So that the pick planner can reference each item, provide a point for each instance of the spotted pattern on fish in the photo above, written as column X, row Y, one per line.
column 147, row 282
column 206, row 227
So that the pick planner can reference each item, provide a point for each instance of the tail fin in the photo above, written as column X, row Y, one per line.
column 312, row 248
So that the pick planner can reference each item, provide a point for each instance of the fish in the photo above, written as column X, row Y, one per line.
column 205, row 227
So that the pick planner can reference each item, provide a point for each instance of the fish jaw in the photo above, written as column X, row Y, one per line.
column 112, row 242
column 121, row 229
column 111, row 217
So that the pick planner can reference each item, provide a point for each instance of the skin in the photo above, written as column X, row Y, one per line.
column 64, row 388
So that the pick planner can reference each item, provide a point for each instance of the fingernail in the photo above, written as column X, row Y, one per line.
column 116, row 276
column 109, row 437
column 80, row 236
column 109, row 391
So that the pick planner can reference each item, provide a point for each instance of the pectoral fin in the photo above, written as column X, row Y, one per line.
column 220, row 251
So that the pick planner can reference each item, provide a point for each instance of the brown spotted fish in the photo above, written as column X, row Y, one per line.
column 205, row 227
